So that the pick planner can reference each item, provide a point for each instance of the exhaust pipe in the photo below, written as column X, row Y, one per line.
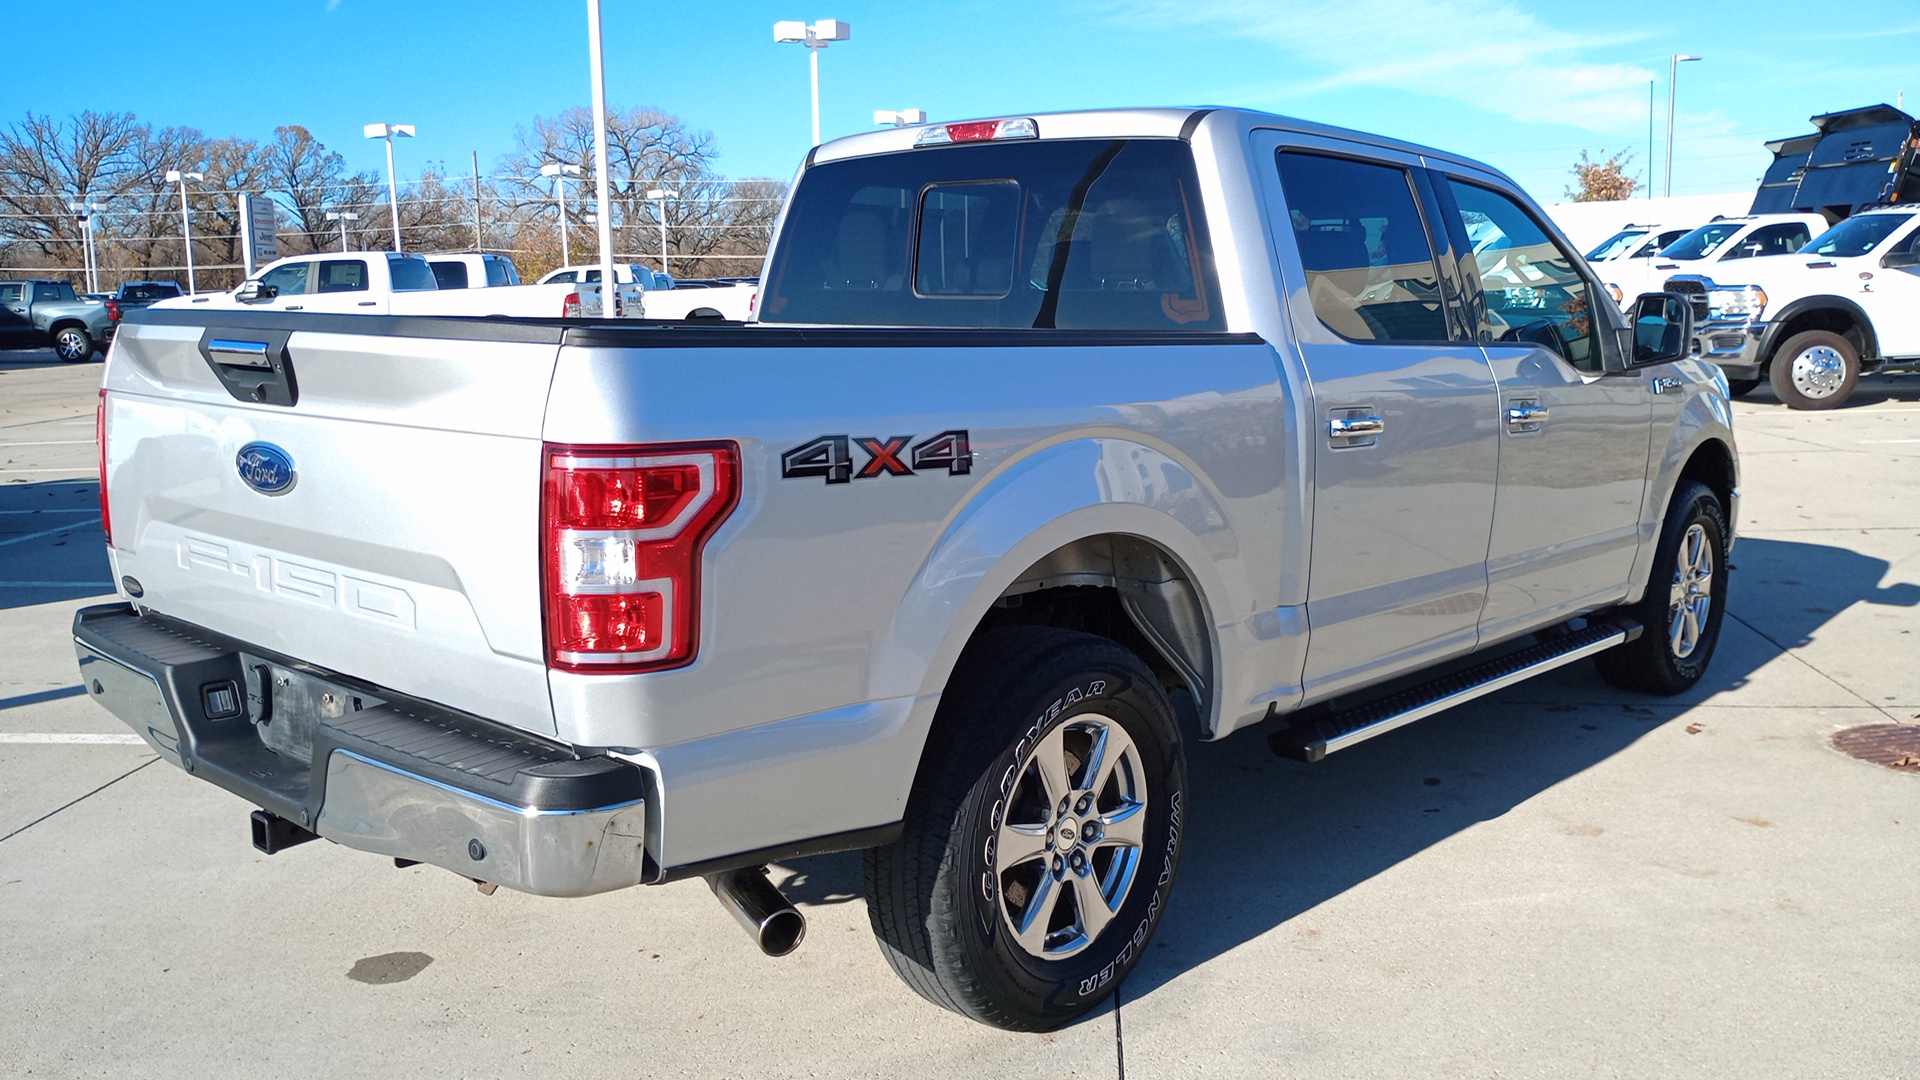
column 758, row 907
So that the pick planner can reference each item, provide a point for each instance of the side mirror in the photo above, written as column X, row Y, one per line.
column 253, row 292
column 1898, row 259
column 1662, row 328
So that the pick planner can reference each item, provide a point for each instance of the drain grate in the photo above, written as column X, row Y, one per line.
column 1897, row 746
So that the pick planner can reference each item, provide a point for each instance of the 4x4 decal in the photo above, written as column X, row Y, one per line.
column 831, row 456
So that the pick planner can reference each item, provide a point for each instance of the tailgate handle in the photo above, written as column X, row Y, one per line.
column 255, row 368
column 252, row 354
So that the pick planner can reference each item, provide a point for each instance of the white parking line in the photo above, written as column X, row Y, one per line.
column 43, row 532
column 71, row 738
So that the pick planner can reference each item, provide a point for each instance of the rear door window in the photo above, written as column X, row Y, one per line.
column 1363, row 244
column 341, row 275
column 499, row 272
column 1091, row 234
column 450, row 275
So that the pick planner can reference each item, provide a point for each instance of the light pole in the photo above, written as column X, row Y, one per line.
column 663, row 195
column 560, row 171
column 342, row 216
column 900, row 117
column 387, row 132
column 1673, row 69
column 815, row 37
column 85, row 211
column 602, row 196
column 186, row 231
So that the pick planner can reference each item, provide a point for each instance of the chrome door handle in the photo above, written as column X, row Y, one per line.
column 1526, row 412
column 1347, row 427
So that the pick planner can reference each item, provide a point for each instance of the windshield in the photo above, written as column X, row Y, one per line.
column 1614, row 245
column 1856, row 235
column 1702, row 241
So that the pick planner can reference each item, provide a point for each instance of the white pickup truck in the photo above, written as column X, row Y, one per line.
column 389, row 283
column 1812, row 322
column 1157, row 425
column 1714, row 248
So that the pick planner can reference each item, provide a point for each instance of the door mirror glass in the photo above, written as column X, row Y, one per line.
column 254, row 292
column 1662, row 328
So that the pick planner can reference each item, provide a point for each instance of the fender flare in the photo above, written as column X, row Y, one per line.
column 1775, row 336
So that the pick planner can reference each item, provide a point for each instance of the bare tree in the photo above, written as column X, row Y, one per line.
column 306, row 175
column 1602, row 181
column 45, row 163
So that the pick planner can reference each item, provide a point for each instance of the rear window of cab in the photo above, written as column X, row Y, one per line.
column 1081, row 233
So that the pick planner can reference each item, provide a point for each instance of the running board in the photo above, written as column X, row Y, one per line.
column 1311, row 739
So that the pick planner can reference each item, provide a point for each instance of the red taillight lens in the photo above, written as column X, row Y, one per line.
column 570, row 307
column 113, row 311
column 623, row 530
column 100, row 444
column 979, row 129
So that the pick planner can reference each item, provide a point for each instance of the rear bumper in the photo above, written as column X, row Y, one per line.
column 364, row 769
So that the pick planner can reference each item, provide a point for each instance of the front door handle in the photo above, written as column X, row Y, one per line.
column 1526, row 412
column 1348, row 427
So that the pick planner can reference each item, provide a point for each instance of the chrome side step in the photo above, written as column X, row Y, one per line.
column 1311, row 738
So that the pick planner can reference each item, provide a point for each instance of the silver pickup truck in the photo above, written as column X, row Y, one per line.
column 1063, row 440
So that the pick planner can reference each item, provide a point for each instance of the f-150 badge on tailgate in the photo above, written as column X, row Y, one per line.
column 266, row 468
column 831, row 456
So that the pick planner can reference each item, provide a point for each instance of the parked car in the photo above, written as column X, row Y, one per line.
column 134, row 295
column 39, row 312
column 1848, row 303
column 473, row 270
column 624, row 273
column 1156, row 425
column 1705, row 249
column 386, row 283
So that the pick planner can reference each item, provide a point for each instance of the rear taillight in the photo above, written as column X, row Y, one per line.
column 113, row 311
column 570, row 307
column 623, row 529
column 100, row 443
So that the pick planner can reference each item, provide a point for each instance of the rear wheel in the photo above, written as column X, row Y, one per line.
column 1685, row 601
column 1815, row 370
column 1038, row 854
column 72, row 344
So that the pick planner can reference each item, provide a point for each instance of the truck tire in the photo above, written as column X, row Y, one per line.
column 1041, row 844
column 1815, row 370
column 1741, row 387
column 1685, row 601
column 72, row 344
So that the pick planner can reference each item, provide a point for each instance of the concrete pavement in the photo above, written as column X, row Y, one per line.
column 1561, row 880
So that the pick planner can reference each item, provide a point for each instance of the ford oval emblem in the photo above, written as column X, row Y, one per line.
column 266, row 468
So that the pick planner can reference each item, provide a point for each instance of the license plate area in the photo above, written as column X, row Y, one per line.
column 286, row 705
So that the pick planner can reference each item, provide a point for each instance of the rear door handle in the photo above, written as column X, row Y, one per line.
column 1526, row 412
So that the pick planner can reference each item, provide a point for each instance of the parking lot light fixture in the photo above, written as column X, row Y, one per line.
column 342, row 216
column 663, row 194
column 559, row 171
column 1673, row 69
column 186, row 228
column 899, row 117
column 815, row 37
column 387, row 132
column 85, row 210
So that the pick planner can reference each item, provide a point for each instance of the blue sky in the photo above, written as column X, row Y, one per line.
column 1523, row 84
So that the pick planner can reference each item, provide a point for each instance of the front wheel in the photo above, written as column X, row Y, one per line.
column 1040, row 849
column 1815, row 370
column 72, row 344
column 1685, row 601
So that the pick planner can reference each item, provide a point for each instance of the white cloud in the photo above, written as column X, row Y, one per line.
column 1491, row 54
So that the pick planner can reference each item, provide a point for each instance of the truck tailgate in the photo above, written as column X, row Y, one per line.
column 403, row 551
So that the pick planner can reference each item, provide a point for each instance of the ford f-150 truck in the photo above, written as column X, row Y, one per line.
column 1063, row 441
column 1813, row 322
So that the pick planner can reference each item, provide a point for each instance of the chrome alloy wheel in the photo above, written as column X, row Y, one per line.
column 71, row 344
column 1692, row 596
column 1066, row 847
column 1819, row 372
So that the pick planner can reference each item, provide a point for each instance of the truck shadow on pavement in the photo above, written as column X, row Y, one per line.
column 51, row 544
column 1268, row 840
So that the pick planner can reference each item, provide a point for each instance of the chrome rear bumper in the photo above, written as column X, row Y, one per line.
column 394, row 778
